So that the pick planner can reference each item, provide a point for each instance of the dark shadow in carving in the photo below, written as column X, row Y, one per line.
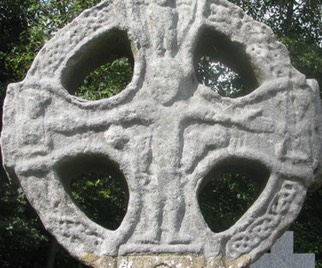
column 229, row 190
column 223, row 65
column 97, row 56
column 97, row 187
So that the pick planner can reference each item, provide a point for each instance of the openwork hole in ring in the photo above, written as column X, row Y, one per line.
column 97, row 187
column 229, row 190
column 102, row 69
column 223, row 65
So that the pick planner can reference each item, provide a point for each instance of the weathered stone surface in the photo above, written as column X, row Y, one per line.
column 165, row 132
column 166, row 260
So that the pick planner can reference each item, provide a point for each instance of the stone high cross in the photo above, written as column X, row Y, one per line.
column 164, row 132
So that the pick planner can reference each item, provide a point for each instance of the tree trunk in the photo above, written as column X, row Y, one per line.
column 289, row 17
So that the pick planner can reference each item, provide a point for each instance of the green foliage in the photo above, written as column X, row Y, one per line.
column 14, row 20
column 106, row 81
column 297, row 24
column 307, row 227
column 22, row 237
column 306, row 58
column 26, row 25
column 221, row 78
column 102, row 197
column 224, row 199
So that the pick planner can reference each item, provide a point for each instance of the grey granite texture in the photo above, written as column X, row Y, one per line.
column 281, row 255
column 164, row 132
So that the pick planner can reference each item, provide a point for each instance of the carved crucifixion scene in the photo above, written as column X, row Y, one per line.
column 166, row 134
